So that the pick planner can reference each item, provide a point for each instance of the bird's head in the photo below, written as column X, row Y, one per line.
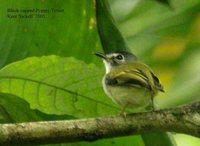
column 115, row 59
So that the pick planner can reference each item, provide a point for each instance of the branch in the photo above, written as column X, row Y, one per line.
column 184, row 119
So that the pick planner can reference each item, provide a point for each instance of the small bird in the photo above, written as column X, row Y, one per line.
column 129, row 82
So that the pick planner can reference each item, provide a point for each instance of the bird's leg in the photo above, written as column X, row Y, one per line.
column 123, row 113
column 151, row 105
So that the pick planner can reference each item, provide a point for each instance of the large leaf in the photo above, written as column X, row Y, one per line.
column 119, row 141
column 57, row 85
column 13, row 109
column 69, row 33
column 37, row 79
column 158, row 139
column 110, row 36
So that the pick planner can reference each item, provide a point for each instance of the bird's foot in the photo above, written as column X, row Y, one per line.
column 123, row 115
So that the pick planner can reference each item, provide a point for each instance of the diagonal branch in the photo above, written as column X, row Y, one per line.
column 184, row 119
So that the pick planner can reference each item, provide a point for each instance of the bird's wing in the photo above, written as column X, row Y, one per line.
column 138, row 75
column 129, row 77
column 157, row 83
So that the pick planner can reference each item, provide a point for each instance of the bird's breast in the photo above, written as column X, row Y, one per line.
column 132, row 96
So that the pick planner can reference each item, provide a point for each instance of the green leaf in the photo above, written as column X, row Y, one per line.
column 14, row 109
column 119, row 141
column 110, row 36
column 57, row 85
column 69, row 33
column 158, row 139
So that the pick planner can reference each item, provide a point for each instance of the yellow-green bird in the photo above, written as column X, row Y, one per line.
column 129, row 82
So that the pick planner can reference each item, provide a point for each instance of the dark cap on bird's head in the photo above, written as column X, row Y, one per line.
column 127, row 55
column 116, row 58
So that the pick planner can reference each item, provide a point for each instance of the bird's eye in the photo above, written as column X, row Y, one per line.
column 119, row 57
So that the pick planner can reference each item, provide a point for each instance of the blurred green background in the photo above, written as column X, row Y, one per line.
column 167, row 38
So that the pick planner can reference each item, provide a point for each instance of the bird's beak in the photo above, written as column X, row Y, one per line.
column 101, row 55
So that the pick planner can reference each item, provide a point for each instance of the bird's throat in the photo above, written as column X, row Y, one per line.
column 108, row 66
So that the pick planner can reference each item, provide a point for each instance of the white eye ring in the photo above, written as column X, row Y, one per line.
column 119, row 57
